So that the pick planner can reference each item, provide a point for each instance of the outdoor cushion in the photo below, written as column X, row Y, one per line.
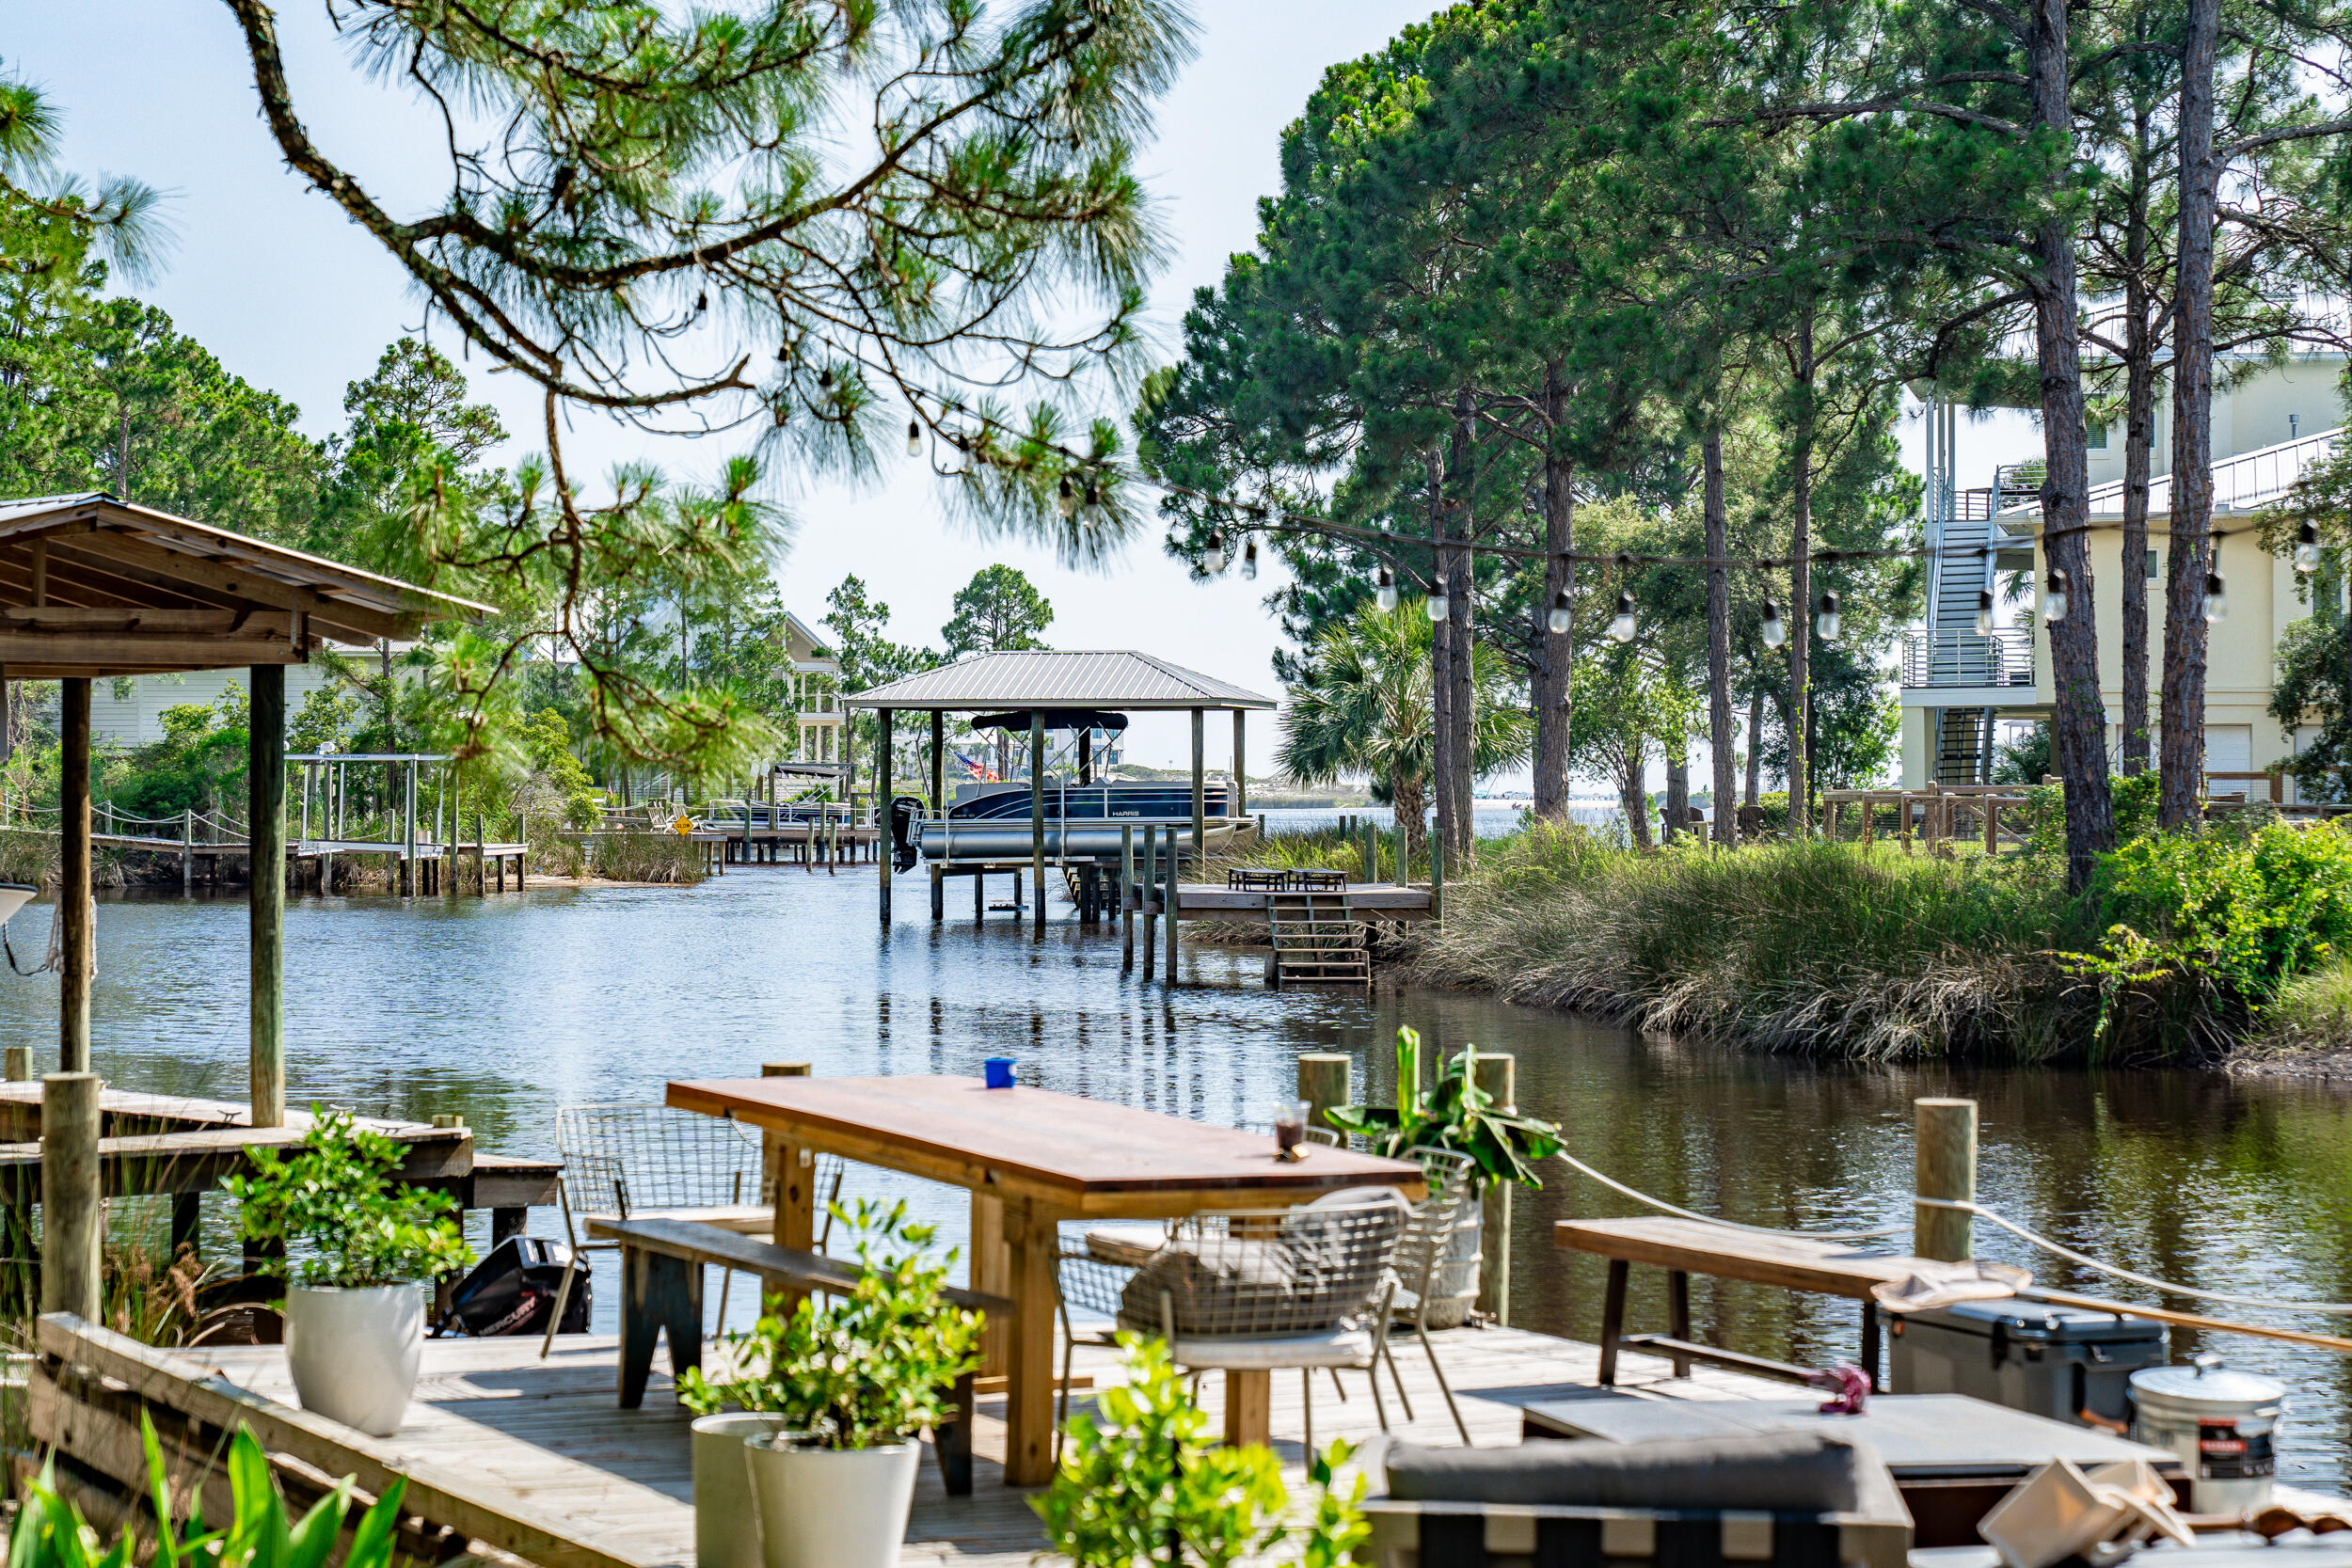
column 1339, row 1347
column 1213, row 1283
column 1807, row 1472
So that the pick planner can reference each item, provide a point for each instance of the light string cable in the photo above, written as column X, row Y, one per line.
column 1659, row 1203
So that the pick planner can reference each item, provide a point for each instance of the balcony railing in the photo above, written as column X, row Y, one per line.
column 1957, row 658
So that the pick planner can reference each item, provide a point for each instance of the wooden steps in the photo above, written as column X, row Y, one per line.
column 1317, row 940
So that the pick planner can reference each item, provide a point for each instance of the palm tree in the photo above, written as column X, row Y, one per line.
column 1363, row 706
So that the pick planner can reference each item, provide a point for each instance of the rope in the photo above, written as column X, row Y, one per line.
column 2166, row 1286
column 1617, row 1186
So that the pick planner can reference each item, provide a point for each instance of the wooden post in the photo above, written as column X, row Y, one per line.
column 1148, row 894
column 886, row 856
column 408, row 833
column 1199, row 802
column 938, row 761
column 1126, row 900
column 1946, row 1161
column 1239, row 805
column 187, row 850
column 1323, row 1083
column 1396, row 850
column 1498, row 1074
column 1174, row 901
column 74, row 890
column 1372, row 850
column 1992, row 826
column 1037, row 811
column 19, row 1063
column 1436, row 877
column 72, row 1212
column 265, row 888
column 789, row 1174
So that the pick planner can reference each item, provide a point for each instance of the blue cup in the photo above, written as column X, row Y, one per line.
column 999, row 1071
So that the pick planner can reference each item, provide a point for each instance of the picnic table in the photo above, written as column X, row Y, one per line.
column 1685, row 1247
column 1032, row 1159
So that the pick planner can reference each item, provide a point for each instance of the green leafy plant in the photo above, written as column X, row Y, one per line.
column 342, row 1221
column 864, row 1370
column 1455, row 1114
column 50, row 1532
column 1149, row 1479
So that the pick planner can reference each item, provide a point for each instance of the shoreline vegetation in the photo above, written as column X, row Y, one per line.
column 2230, row 943
column 652, row 859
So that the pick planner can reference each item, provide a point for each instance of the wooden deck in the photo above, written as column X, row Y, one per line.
column 1237, row 906
column 548, row 1434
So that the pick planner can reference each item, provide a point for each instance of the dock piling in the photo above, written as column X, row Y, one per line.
column 72, row 1212
column 265, row 836
column 883, row 857
column 1497, row 1073
column 20, row 1067
column 1173, row 902
column 1126, row 900
column 1037, row 812
column 1946, row 1167
column 1147, row 893
column 1323, row 1083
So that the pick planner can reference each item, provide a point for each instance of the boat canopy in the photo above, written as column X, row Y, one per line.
column 1056, row 718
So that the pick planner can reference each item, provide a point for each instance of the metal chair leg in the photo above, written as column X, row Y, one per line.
column 1339, row 1383
column 1307, row 1391
column 1389, row 1354
column 1069, row 1358
column 564, row 1290
column 1443, row 1387
column 1379, row 1347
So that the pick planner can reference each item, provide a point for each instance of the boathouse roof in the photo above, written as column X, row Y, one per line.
column 93, row 587
column 1052, row 678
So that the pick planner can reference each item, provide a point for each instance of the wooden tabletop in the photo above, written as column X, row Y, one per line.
column 1076, row 1156
column 1693, row 1246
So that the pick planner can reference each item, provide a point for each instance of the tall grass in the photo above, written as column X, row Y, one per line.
column 654, row 857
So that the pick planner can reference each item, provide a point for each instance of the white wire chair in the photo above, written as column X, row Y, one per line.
column 1453, row 1180
column 641, row 1161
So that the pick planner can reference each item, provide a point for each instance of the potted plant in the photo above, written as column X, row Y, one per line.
column 1453, row 1112
column 848, row 1384
column 356, row 1251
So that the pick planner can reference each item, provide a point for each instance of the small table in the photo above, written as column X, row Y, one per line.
column 1685, row 1247
column 1951, row 1456
column 1032, row 1159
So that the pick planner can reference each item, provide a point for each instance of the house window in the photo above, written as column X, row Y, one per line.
column 2152, row 566
column 2098, row 437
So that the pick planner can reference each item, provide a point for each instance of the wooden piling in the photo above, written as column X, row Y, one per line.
column 187, row 850
column 1946, row 1167
column 1037, row 810
column 74, row 913
column 408, row 833
column 20, row 1067
column 884, row 856
column 73, row 1210
column 1497, row 1073
column 265, row 885
column 1323, row 1083
column 1148, row 893
column 1126, row 900
column 1396, row 852
column 1174, row 901
column 1239, row 804
column 1199, row 813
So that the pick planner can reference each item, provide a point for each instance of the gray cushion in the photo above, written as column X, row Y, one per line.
column 1802, row 1472
column 1211, row 1282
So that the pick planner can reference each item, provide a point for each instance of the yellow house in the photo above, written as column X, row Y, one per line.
column 1960, row 687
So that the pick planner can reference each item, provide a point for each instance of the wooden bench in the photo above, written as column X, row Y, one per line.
column 661, row 1289
column 1685, row 1247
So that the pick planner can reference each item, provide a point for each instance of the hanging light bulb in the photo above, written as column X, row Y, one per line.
column 1984, row 612
column 1621, row 625
column 2054, row 598
column 1094, row 503
column 914, row 439
column 1436, row 604
column 1559, row 620
column 2307, row 547
column 1776, row 630
column 1828, row 624
column 1214, row 558
column 1249, row 559
column 1066, row 501
column 1384, row 588
column 2216, row 597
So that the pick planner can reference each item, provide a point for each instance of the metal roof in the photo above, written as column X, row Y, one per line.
column 1052, row 678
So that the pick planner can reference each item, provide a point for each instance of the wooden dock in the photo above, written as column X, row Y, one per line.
column 534, row 1458
column 1381, row 901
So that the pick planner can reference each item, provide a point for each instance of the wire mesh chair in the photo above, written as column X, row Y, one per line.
column 1453, row 1182
column 621, row 1162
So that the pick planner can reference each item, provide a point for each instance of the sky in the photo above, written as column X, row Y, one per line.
column 293, row 297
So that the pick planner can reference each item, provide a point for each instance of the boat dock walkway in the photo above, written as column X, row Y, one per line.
column 580, row 1484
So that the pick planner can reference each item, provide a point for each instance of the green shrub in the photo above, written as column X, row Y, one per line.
column 335, row 1200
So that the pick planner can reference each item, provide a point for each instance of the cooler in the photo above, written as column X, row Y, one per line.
column 2053, row 1361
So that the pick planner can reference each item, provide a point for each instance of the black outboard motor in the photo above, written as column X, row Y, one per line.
column 514, row 1290
column 905, row 811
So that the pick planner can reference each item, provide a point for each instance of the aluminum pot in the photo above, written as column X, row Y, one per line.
column 2221, row 1423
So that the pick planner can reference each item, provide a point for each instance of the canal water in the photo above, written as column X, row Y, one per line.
column 502, row 1009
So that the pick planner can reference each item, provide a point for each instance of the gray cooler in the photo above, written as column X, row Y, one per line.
column 2053, row 1361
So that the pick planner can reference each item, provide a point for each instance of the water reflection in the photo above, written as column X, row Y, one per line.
column 502, row 1009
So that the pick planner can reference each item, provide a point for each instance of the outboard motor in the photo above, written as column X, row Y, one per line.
column 514, row 1290
column 905, row 811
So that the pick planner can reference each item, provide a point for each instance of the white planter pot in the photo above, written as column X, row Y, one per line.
column 354, row 1353
column 727, row 1531
column 832, row 1507
column 1454, row 1283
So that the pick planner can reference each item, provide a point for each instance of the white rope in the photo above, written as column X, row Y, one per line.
column 1617, row 1186
column 1964, row 1207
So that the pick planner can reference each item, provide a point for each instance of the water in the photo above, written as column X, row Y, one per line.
column 502, row 1009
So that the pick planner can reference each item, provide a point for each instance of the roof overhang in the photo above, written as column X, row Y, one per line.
column 1052, row 679
column 92, row 588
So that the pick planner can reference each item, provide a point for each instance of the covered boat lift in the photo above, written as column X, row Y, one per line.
column 1046, row 684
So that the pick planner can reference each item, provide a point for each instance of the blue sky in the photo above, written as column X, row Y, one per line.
column 293, row 297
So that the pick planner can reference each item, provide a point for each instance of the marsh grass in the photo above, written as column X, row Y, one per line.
column 651, row 857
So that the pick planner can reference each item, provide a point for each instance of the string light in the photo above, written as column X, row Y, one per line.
column 1829, row 625
column 1066, row 501
column 2216, row 597
column 2054, row 598
column 1436, row 603
column 2306, row 549
column 1984, row 612
column 1249, row 559
column 1621, row 625
column 1094, row 503
column 1776, row 630
column 914, row 439
column 1384, row 588
column 1560, row 619
column 1214, row 558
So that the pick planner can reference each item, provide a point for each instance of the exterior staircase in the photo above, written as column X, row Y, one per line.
column 1317, row 940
